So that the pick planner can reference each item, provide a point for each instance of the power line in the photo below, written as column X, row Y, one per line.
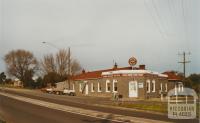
column 172, row 13
column 170, row 7
column 174, row 7
column 184, row 19
column 158, row 15
column 154, row 20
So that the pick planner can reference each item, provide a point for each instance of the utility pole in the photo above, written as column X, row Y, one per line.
column 184, row 62
column 69, row 67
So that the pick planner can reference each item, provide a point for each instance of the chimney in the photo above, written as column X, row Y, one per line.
column 115, row 66
column 142, row 67
column 83, row 71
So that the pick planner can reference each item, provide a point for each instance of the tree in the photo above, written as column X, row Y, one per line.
column 28, row 78
column 48, row 64
column 53, row 78
column 62, row 59
column 58, row 63
column 56, row 67
column 2, row 77
column 39, row 83
column 8, row 81
column 75, row 67
column 193, row 81
column 21, row 64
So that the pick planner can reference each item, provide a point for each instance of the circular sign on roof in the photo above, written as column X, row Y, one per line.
column 132, row 61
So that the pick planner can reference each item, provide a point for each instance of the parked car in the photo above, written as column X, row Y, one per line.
column 69, row 92
column 57, row 91
column 43, row 90
column 49, row 90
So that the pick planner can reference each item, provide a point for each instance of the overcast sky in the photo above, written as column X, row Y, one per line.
column 98, row 31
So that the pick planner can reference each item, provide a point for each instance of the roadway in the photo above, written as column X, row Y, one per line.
column 7, row 104
column 13, row 111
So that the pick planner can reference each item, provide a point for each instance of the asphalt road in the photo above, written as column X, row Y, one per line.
column 13, row 111
column 64, row 101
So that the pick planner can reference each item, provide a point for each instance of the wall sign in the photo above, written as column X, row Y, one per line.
column 140, row 85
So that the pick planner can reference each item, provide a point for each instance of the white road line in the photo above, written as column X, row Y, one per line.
column 81, row 111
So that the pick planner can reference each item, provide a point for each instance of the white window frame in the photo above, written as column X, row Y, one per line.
column 148, row 82
column 175, row 89
column 180, row 87
column 165, row 87
column 107, row 81
column 161, row 87
column 154, row 85
column 92, row 87
column 114, row 81
column 98, row 85
column 80, row 87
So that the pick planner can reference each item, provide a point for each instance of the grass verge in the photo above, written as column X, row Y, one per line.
column 149, row 107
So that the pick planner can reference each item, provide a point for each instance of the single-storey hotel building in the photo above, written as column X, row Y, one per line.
column 127, row 82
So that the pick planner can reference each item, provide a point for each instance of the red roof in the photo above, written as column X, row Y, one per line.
column 97, row 74
column 173, row 76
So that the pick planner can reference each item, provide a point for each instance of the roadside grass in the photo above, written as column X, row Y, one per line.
column 157, row 107
column 160, row 107
column 5, row 85
column 8, row 86
column 2, row 121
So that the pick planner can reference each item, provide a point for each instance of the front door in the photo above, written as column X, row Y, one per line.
column 133, row 89
column 86, row 89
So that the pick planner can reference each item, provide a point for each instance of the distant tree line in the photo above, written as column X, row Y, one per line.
column 193, row 81
column 23, row 65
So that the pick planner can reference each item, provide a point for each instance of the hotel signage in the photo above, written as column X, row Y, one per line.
column 132, row 61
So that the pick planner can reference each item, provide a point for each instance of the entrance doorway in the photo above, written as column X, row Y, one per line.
column 133, row 89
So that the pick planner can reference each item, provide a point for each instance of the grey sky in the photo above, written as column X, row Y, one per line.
column 153, row 31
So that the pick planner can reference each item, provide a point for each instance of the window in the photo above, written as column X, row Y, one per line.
column 80, row 87
column 148, row 86
column 175, row 89
column 180, row 87
column 165, row 87
column 161, row 87
column 153, row 86
column 107, row 86
column 114, row 85
column 99, row 87
column 92, row 87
